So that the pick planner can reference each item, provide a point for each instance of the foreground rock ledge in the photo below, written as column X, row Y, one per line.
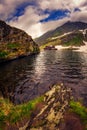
column 47, row 116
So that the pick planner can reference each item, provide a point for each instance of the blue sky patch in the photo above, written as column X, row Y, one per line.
column 55, row 15
column 20, row 10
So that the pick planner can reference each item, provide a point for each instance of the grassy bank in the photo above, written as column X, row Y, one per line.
column 11, row 114
column 80, row 110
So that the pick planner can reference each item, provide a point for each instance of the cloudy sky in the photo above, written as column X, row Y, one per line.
column 39, row 16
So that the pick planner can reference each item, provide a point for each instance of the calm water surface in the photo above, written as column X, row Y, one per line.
column 26, row 78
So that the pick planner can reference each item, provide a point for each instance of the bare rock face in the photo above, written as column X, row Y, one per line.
column 56, row 102
column 15, row 43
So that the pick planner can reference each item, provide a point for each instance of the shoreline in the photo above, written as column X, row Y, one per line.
column 17, row 58
column 52, row 111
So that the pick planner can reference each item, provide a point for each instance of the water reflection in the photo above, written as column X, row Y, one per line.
column 25, row 79
column 12, row 73
column 40, row 67
column 72, row 65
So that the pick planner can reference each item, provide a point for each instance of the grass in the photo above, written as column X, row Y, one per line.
column 53, row 42
column 76, row 41
column 3, row 54
column 11, row 114
column 80, row 110
column 12, row 45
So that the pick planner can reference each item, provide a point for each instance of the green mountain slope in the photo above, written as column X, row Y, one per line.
column 67, row 27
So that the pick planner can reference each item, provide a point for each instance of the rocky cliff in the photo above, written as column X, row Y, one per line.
column 15, row 43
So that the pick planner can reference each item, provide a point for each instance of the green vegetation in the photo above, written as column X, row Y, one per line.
column 3, row 54
column 36, row 50
column 80, row 110
column 57, row 33
column 11, row 114
column 13, row 45
column 52, row 42
column 76, row 41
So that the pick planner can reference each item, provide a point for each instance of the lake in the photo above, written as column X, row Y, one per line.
column 24, row 79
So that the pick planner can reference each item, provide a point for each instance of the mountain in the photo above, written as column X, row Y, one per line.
column 65, row 28
column 15, row 43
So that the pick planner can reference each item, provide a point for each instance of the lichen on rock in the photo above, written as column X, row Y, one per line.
column 56, row 102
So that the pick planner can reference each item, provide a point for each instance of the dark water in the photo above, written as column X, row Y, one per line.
column 25, row 79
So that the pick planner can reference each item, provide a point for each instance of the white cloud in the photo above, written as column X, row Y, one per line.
column 79, row 3
column 8, row 7
column 30, row 20
column 60, row 4
column 53, row 24
column 79, row 16
column 51, row 5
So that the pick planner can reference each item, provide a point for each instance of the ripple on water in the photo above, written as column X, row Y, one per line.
column 27, row 78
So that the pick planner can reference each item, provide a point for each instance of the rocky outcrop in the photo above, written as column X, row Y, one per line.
column 15, row 43
column 55, row 104
column 55, row 111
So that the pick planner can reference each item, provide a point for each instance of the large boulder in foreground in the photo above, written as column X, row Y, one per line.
column 15, row 43
column 56, row 101
column 55, row 110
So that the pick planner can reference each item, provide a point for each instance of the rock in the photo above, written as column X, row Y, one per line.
column 24, row 127
column 71, row 122
column 56, row 102
column 49, row 113
column 15, row 43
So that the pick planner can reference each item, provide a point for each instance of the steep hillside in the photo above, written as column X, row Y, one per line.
column 15, row 43
column 72, row 39
column 67, row 27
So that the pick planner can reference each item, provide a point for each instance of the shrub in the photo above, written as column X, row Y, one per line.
column 3, row 54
